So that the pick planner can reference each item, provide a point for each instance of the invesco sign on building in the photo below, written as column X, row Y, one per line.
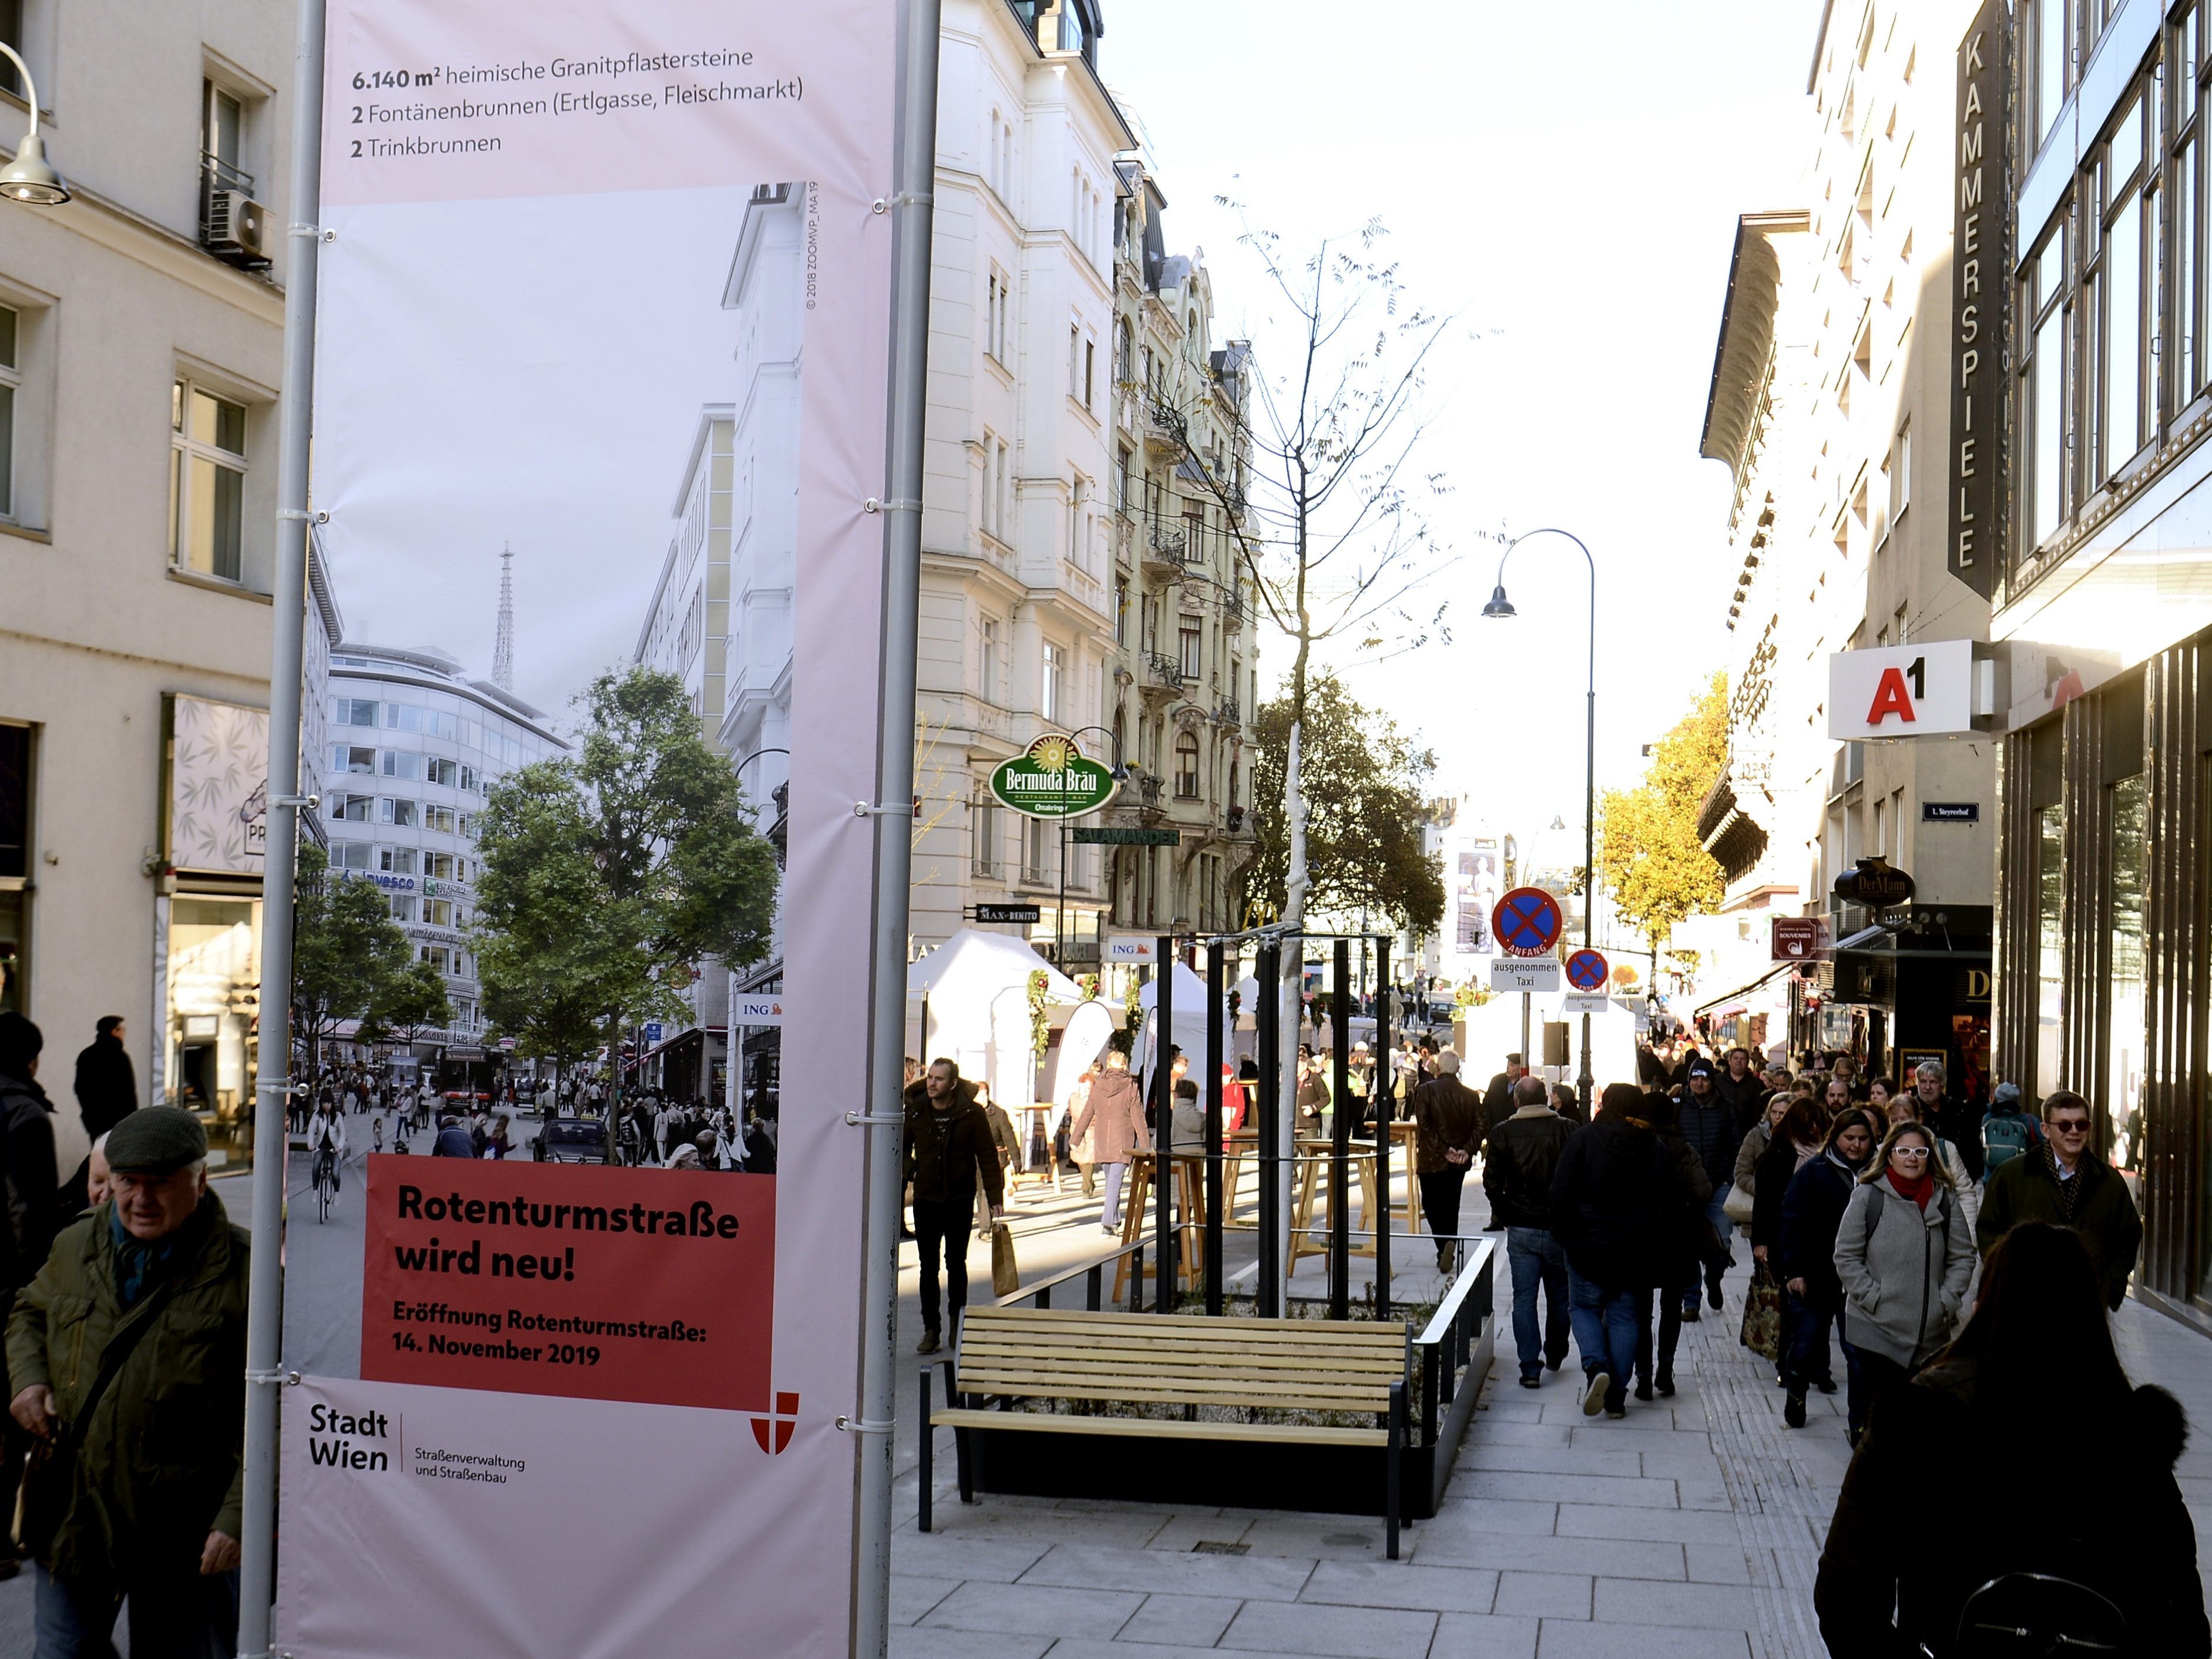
column 1054, row 780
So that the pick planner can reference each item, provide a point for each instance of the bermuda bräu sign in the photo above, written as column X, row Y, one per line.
column 608, row 284
column 1053, row 780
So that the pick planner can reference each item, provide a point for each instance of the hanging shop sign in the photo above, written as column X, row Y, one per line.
column 1798, row 939
column 1009, row 913
column 1053, row 780
column 524, row 1344
column 1941, row 688
column 756, row 1010
column 1874, row 883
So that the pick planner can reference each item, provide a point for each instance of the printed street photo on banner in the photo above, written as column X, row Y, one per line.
column 599, row 426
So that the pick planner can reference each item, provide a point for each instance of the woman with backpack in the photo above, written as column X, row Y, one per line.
column 1812, row 1212
column 2077, row 1484
column 1904, row 1253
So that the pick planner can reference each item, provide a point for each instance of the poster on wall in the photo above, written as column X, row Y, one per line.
column 218, row 785
column 605, row 288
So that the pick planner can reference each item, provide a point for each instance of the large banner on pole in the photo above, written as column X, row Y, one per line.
column 605, row 282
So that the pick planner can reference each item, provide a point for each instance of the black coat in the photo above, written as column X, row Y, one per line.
column 2106, row 1512
column 1518, row 1162
column 1811, row 1211
column 1776, row 1164
column 1743, row 1097
column 106, row 1086
column 33, row 1184
column 947, row 1152
column 1714, row 1132
column 1616, row 1202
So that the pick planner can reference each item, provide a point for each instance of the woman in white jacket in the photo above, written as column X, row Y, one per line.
column 1906, row 1109
column 1905, row 1252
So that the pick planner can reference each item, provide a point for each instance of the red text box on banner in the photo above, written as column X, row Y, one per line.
column 587, row 1280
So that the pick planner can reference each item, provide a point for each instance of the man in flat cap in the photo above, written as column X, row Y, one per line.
column 126, row 1353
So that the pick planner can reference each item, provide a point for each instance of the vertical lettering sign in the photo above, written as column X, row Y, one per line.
column 1980, row 294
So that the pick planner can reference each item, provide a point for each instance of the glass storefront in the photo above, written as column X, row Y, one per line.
column 2050, row 956
column 2123, row 1004
column 213, row 1013
column 11, row 950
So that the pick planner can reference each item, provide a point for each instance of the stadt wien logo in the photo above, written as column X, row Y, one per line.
column 774, row 1431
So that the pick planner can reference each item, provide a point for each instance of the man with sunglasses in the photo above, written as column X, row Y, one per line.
column 2063, row 1181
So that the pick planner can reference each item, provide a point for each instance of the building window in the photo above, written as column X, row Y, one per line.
column 983, row 834
column 1075, row 361
column 2113, row 284
column 1037, row 859
column 1051, row 703
column 438, row 866
column 400, row 763
column 2046, row 301
column 1122, row 500
column 990, row 514
column 1186, row 766
column 1125, row 368
column 1089, row 372
column 445, row 772
column 353, row 711
column 995, row 318
column 1190, row 633
column 2185, row 206
column 1121, row 611
column 402, row 907
column 345, row 757
column 438, row 913
column 1078, row 522
column 1900, row 476
column 351, row 809
column 403, row 814
column 2046, row 52
column 397, row 861
column 11, row 383
column 990, row 667
column 438, row 818
column 207, row 480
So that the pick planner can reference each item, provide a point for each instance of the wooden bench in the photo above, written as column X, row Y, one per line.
column 1253, row 1365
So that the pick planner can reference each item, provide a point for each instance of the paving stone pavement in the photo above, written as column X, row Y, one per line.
column 1693, row 1528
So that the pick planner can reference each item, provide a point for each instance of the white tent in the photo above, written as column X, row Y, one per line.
column 1189, row 1015
column 1088, row 1027
column 1493, row 1031
column 976, row 987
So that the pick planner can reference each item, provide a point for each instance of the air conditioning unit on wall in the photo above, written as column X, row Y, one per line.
column 239, row 228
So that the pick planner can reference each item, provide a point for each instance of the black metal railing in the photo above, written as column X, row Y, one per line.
column 1160, row 668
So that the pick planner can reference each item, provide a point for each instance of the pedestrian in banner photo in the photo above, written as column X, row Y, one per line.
column 1904, row 1253
column 106, row 1086
column 453, row 1140
column 1112, row 1121
column 326, row 1146
column 2073, row 1481
column 1616, row 1198
column 124, row 1354
column 2065, row 1183
column 1447, row 1134
column 1519, row 1158
column 949, row 1152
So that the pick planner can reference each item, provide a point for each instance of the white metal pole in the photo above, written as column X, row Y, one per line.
column 916, row 166
column 264, row 1328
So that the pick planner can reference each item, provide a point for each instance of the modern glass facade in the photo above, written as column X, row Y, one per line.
column 411, row 749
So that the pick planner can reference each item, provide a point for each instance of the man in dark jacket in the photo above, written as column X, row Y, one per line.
column 1447, row 1134
column 26, row 1130
column 1615, row 1200
column 1741, row 1089
column 948, row 1149
column 107, row 1087
column 2062, row 1181
column 1954, row 1118
column 1518, row 1162
column 454, row 1138
column 141, row 1497
column 1497, row 1098
column 1714, row 1129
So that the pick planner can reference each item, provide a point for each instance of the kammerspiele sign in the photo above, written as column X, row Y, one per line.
column 1053, row 780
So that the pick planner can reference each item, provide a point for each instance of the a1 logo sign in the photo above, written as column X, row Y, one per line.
column 1890, row 696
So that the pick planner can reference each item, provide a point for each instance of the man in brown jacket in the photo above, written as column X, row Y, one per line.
column 1113, row 1116
column 1447, row 1123
column 949, row 1148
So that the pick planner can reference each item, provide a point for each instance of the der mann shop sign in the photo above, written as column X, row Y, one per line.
column 1979, row 291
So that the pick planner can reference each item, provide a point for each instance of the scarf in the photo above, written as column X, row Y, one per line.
column 140, row 1263
column 1805, row 1154
column 2069, row 1187
column 1919, row 1190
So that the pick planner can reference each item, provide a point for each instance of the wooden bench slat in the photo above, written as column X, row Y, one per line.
column 1016, row 1380
column 1045, row 1389
column 1038, row 1422
column 972, row 1367
column 1245, row 1332
column 1181, row 1359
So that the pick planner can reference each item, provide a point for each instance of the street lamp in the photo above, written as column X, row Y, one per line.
column 29, row 177
column 1502, row 608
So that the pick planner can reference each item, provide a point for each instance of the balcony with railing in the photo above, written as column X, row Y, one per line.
column 1227, row 712
column 1164, row 426
column 1165, row 549
column 1162, row 676
column 1233, row 609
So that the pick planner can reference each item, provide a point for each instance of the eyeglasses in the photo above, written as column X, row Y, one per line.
column 2064, row 1125
column 1908, row 1152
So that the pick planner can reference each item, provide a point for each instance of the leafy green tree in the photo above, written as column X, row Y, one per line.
column 346, row 949
column 606, row 871
column 1361, row 780
column 414, row 999
column 1650, row 854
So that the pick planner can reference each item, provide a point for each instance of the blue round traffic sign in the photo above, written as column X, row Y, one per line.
column 1526, row 922
column 1588, row 970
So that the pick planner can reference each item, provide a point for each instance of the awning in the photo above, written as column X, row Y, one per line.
column 1743, row 992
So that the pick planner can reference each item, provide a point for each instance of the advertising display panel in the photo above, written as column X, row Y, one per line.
column 607, row 286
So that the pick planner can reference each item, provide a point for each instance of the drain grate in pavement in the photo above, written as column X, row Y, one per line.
column 1215, row 1546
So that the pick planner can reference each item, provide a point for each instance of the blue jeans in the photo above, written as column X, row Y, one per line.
column 1724, row 1230
column 1805, row 1353
column 1606, row 1323
column 187, row 1618
column 1536, row 1258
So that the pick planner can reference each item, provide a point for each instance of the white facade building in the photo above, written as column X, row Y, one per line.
column 412, row 747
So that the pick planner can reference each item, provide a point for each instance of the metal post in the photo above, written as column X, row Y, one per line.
column 1340, row 1194
column 1164, row 1270
column 916, row 169
column 1378, row 1097
column 1060, row 916
column 264, row 1325
column 1213, row 1212
column 1585, row 1081
column 1265, row 1019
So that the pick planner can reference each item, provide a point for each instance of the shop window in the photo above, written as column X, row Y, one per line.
column 2124, row 1027
column 213, row 984
column 2050, row 948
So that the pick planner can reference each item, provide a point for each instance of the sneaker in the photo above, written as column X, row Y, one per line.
column 928, row 1343
column 1616, row 1412
column 1793, row 1409
column 1825, row 1384
column 1532, row 1379
column 1554, row 1364
column 1444, row 1258
column 1691, row 1314
column 1664, row 1383
column 1600, row 1384
column 1643, row 1388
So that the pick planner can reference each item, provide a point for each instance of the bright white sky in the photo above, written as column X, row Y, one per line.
column 1567, row 179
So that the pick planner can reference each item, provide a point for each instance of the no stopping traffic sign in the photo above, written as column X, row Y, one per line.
column 1526, row 922
column 1588, row 970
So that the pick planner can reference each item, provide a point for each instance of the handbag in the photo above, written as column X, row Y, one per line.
column 1005, row 1277
column 1737, row 1206
column 1762, row 1314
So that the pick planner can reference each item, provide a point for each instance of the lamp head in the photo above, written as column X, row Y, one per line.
column 29, row 177
column 1499, row 605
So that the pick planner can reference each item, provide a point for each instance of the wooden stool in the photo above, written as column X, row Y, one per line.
column 1027, row 1120
column 1403, row 1149
column 1317, row 1158
column 1137, row 1222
